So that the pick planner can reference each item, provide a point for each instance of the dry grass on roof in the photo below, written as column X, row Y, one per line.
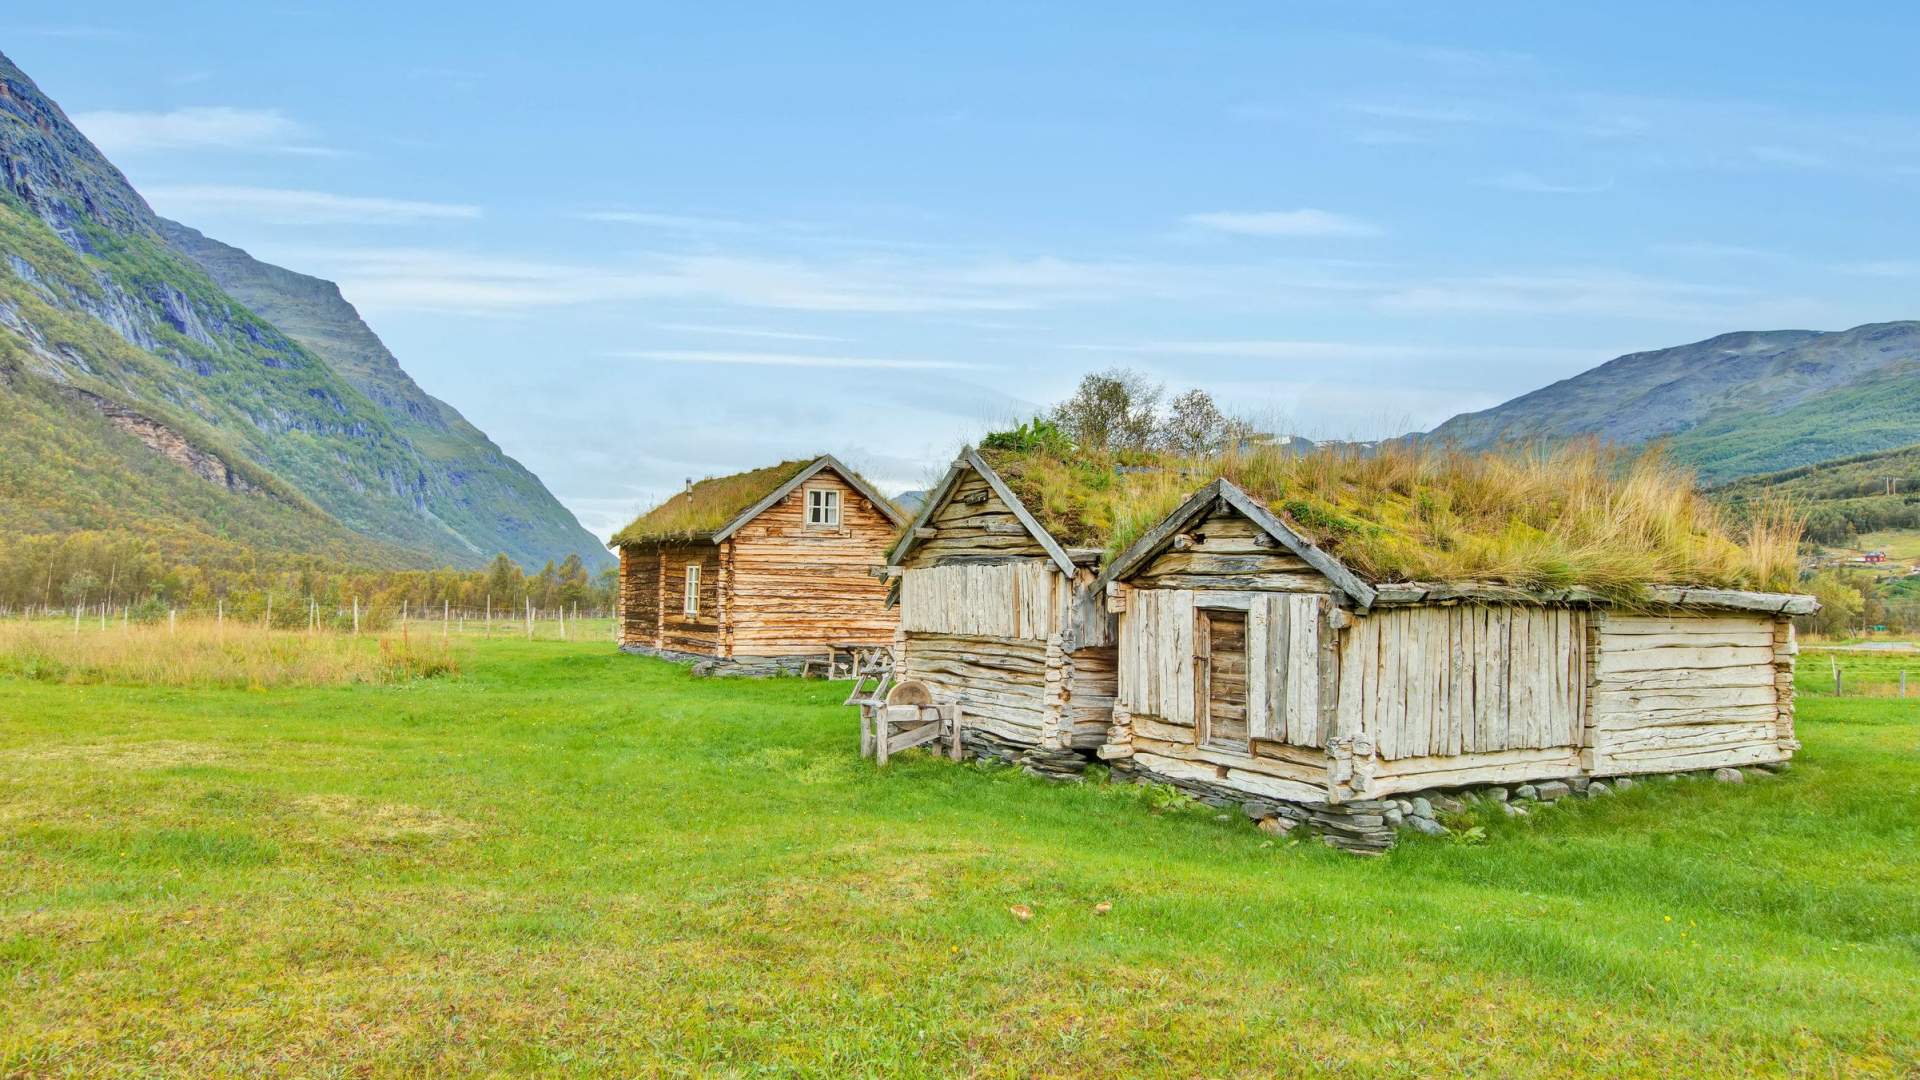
column 709, row 505
column 1572, row 515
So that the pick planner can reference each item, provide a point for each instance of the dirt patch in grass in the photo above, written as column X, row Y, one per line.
column 332, row 818
column 155, row 754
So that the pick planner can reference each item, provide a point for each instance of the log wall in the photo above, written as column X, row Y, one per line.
column 776, row 587
column 1000, row 683
column 795, row 588
column 680, row 632
column 1677, row 692
column 640, row 596
column 974, row 523
column 1226, row 551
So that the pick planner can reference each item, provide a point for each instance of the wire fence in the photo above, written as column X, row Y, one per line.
column 560, row 623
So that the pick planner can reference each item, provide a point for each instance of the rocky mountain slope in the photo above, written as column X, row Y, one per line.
column 1733, row 405
column 146, row 342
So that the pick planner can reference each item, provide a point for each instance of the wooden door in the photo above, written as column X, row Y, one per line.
column 1220, row 678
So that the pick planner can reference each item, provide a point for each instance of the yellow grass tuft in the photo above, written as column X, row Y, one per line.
column 206, row 654
column 1576, row 514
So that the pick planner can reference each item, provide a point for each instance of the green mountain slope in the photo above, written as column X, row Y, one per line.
column 104, row 315
column 1845, row 498
column 482, row 494
column 1732, row 405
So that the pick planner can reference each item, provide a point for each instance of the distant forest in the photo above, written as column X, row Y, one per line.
column 126, row 574
column 1844, row 499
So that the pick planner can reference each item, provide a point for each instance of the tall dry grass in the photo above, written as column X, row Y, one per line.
column 207, row 654
column 1573, row 514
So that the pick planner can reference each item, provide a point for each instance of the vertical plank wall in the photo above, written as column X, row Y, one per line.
column 1447, row 681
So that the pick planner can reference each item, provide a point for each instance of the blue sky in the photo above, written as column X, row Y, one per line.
column 639, row 243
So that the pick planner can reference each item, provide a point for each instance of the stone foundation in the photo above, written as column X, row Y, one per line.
column 1373, row 826
column 739, row 667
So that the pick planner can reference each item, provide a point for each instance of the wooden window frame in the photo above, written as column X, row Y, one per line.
column 690, row 600
column 830, row 500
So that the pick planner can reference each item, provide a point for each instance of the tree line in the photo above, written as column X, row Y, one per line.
column 127, row 572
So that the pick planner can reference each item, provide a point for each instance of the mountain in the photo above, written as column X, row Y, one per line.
column 486, row 497
column 185, row 390
column 1734, row 405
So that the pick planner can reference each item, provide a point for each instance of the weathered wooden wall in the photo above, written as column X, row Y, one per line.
column 1272, row 745
column 974, row 523
column 795, row 588
column 1675, row 692
column 1000, row 683
column 1092, row 679
column 1446, row 681
column 1012, row 599
column 1226, row 551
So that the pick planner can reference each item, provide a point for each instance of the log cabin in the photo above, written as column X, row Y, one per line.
column 1296, row 662
column 1252, row 664
column 998, row 615
column 765, row 569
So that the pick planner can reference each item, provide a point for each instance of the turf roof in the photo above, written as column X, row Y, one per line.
column 712, row 504
column 1577, row 515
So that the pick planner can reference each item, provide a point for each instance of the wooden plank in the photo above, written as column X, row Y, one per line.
column 1261, row 673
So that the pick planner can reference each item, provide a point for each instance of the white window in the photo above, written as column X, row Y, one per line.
column 823, row 508
column 690, row 603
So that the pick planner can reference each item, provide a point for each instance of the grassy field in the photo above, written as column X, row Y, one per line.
column 565, row 861
column 1863, row 672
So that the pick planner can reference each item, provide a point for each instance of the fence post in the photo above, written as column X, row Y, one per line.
column 446, row 618
column 356, row 616
column 1903, row 682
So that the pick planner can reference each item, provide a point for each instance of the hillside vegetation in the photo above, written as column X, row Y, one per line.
column 1730, row 406
column 98, row 311
column 1845, row 498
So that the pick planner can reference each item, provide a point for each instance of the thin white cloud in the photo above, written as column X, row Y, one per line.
column 1533, row 184
column 1708, row 249
column 788, row 360
column 197, row 127
column 744, row 331
column 1600, row 293
column 282, row 206
column 673, row 222
column 1304, row 222
column 1882, row 268
column 1340, row 351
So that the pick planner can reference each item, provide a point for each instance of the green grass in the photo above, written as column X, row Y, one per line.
column 577, row 863
column 1871, row 673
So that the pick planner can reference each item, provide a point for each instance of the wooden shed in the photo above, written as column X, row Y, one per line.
column 1252, row 664
column 997, row 615
column 772, row 566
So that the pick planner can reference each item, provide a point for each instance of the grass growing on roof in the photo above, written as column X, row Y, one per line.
column 713, row 503
column 1573, row 515
column 709, row 505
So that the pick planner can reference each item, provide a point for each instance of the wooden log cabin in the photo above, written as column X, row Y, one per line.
column 1252, row 664
column 769, row 568
column 998, row 615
